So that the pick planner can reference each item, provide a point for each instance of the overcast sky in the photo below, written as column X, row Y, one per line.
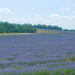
column 49, row 12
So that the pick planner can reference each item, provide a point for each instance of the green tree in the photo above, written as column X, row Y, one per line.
column 1, row 31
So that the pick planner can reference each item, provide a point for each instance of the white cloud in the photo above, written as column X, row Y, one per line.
column 61, row 16
column 2, row 18
column 74, row 5
column 62, row 21
column 73, row 12
column 15, row 18
column 20, row 20
column 54, row 19
column 54, row 15
column 65, row 17
column 65, row 8
column 37, row 15
column 62, row 8
column 5, row 11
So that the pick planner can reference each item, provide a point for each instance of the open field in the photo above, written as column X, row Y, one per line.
column 13, row 33
column 38, row 54
column 45, row 31
column 38, row 31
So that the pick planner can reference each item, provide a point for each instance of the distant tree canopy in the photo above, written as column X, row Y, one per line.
column 6, row 27
column 47, row 27
column 72, row 30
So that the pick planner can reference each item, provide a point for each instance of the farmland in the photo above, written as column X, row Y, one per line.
column 38, row 54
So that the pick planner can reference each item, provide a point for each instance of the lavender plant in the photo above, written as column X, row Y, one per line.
column 37, row 54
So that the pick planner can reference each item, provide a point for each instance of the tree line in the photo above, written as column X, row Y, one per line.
column 6, row 27
column 43, row 26
column 72, row 30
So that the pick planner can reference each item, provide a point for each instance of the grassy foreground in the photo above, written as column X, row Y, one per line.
column 67, row 71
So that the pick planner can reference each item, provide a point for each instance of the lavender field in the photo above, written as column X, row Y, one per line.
column 37, row 54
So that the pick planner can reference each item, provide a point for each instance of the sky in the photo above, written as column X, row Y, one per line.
column 50, row 12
